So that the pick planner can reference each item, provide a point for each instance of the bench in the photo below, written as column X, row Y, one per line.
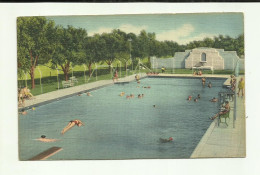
column 66, row 84
column 74, row 79
column 225, row 116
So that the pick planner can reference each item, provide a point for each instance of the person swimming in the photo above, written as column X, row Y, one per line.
column 23, row 112
column 214, row 99
column 71, row 124
column 195, row 100
column 209, row 85
column 44, row 139
column 198, row 96
column 170, row 139
column 189, row 98
column 122, row 94
column 88, row 94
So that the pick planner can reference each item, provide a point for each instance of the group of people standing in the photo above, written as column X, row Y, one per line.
column 23, row 93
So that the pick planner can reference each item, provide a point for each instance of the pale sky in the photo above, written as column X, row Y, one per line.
column 181, row 28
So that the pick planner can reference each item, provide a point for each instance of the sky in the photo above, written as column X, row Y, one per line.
column 181, row 28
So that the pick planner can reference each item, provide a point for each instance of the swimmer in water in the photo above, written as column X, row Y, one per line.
column 189, row 98
column 198, row 96
column 166, row 140
column 209, row 85
column 23, row 112
column 154, row 106
column 44, row 139
column 89, row 94
column 71, row 124
column 214, row 99
column 195, row 100
column 122, row 94
column 203, row 81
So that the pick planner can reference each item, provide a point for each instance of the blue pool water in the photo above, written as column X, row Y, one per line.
column 120, row 128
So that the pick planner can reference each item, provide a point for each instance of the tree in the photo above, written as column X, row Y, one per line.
column 114, row 42
column 32, row 43
column 68, row 48
column 94, row 50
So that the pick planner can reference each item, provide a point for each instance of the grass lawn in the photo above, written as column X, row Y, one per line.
column 51, row 82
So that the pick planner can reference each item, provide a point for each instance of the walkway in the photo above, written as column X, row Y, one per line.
column 225, row 141
column 63, row 93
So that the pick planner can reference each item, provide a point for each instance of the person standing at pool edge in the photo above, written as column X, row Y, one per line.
column 71, row 124
column 241, row 85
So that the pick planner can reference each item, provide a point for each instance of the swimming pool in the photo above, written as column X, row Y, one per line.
column 120, row 128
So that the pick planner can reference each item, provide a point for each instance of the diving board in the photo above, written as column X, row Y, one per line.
column 46, row 154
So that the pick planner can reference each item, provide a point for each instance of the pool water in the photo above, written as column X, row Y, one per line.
column 120, row 128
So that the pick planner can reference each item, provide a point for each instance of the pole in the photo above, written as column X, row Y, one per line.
column 72, row 70
column 120, row 68
column 96, row 70
column 40, row 78
column 139, row 66
column 85, row 72
column 58, row 78
column 130, row 40
column 25, row 78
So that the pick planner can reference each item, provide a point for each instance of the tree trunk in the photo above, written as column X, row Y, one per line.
column 125, row 66
column 109, row 64
column 33, row 63
column 89, row 68
column 32, row 77
column 66, row 75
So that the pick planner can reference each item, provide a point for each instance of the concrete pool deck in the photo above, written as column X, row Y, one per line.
column 225, row 141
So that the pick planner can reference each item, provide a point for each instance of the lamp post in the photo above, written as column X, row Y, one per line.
column 130, row 40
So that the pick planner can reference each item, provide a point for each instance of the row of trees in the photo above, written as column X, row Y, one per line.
column 40, row 41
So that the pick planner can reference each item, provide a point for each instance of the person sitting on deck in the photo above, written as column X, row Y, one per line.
column 71, row 124
column 199, row 72
column 195, row 73
column 166, row 140
column 44, row 139
column 137, row 78
column 224, row 111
